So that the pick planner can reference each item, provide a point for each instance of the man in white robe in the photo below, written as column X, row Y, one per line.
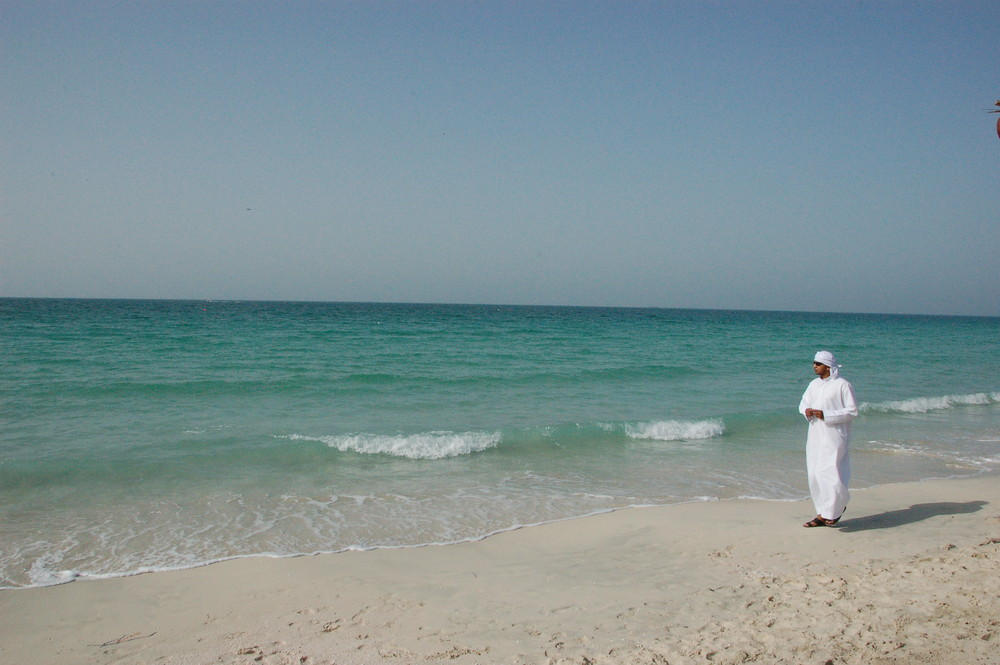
column 829, row 406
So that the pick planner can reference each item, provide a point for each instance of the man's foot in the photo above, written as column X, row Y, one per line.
column 820, row 521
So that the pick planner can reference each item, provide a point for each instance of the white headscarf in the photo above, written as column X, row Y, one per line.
column 827, row 359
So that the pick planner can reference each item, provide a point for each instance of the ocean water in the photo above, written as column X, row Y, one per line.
column 150, row 435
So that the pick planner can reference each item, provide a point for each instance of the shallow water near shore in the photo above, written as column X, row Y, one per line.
column 146, row 435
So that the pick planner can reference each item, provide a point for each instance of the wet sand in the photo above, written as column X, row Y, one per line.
column 911, row 575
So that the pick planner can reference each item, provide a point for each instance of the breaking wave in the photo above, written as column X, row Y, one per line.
column 425, row 445
column 675, row 430
column 925, row 404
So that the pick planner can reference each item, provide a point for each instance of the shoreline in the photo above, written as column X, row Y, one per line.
column 72, row 576
column 910, row 575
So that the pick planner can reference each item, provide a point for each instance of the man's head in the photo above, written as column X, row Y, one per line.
column 824, row 364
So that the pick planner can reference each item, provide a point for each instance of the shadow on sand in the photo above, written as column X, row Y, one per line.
column 915, row 513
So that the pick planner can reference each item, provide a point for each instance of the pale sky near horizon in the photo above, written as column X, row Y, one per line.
column 817, row 156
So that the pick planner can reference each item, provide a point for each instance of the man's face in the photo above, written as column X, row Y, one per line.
column 821, row 370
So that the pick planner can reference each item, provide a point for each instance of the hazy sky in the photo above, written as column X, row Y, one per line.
column 827, row 156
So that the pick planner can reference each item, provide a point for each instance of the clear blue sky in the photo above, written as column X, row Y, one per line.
column 831, row 156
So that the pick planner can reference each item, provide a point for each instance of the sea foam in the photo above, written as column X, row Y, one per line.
column 925, row 404
column 675, row 430
column 425, row 445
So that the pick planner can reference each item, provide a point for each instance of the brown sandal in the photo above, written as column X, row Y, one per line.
column 820, row 521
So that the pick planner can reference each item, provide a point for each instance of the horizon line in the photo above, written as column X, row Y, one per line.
column 486, row 304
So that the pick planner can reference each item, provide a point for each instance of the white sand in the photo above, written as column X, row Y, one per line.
column 913, row 576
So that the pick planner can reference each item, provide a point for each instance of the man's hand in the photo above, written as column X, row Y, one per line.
column 814, row 413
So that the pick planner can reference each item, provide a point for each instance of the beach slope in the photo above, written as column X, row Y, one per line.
column 912, row 575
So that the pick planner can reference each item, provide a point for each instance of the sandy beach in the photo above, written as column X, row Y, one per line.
column 912, row 575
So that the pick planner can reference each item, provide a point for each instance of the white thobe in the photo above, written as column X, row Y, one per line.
column 828, row 461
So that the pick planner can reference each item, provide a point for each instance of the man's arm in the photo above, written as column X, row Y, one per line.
column 847, row 411
column 803, row 405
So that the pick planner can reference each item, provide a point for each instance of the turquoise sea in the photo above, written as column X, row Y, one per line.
column 150, row 435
